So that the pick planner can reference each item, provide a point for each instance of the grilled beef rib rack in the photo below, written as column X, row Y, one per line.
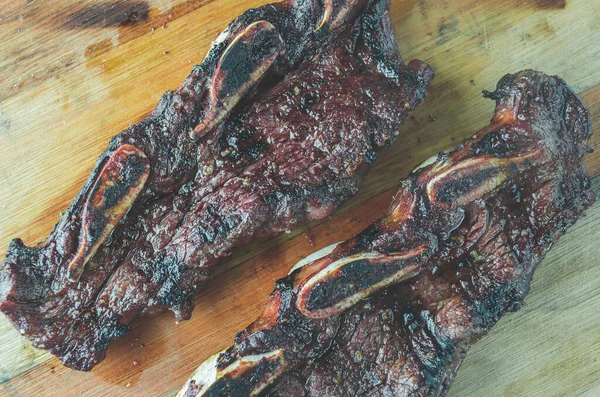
column 393, row 310
column 273, row 128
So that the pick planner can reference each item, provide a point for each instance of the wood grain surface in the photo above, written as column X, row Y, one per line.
column 74, row 73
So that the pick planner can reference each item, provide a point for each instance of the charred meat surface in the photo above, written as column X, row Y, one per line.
column 273, row 128
column 393, row 310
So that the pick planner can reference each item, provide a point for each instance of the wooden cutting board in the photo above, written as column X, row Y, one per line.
column 74, row 73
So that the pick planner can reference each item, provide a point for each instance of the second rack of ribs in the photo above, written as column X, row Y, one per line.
column 393, row 310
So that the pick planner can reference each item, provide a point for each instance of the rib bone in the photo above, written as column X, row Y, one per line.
column 346, row 281
column 119, row 183
column 214, row 381
column 242, row 65
column 462, row 183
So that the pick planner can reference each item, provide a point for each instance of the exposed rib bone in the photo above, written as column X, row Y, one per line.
column 327, row 9
column 241, row 67
column 118, row 185
column 336, row 12
column 346, row 281
column 313, row 257
column 462, row 183
column 237, row 379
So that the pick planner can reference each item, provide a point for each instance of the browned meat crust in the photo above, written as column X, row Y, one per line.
column 393, row 311
column 272, row 129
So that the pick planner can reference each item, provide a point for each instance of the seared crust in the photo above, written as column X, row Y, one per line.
column 454, row 252
column 273, row 128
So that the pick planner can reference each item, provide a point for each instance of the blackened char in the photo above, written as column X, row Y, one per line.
column 273, row 128
column 439, row 272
